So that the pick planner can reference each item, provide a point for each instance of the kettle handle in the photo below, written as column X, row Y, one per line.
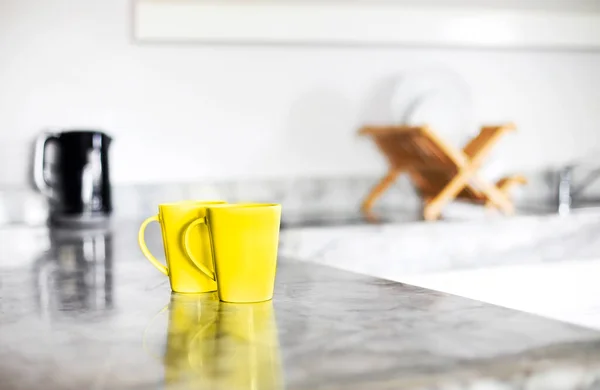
column 39, row 163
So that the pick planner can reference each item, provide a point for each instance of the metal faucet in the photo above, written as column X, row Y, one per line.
column 566, row 193
column 565, row 199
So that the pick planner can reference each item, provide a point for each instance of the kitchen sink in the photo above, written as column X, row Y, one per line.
column 567, row 291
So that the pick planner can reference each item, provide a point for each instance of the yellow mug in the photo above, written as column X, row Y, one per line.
column 189, row 263
column 245, row 238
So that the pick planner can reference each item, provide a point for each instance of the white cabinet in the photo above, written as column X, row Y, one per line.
column 563, row 24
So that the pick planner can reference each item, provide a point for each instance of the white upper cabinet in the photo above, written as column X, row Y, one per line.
column 554, row 24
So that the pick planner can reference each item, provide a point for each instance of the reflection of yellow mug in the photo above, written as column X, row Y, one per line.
column 189, row 263
column 212, row 345
column 248, row 347
column 191, row 339
column 245, row 238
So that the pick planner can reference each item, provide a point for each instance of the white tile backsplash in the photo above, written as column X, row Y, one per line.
column 209, row 113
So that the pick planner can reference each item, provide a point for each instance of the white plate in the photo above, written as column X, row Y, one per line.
column 439, row 98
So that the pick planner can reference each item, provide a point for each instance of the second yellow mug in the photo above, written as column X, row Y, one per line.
column 245, row 239
column 189, row 263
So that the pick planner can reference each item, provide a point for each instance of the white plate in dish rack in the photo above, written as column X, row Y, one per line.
column 439, row 98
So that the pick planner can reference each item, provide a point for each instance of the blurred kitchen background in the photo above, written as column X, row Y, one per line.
column 198, row 114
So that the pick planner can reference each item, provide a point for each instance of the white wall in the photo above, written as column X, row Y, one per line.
column 192, row 112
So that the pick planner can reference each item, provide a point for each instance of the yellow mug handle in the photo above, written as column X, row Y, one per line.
column 144, row 248
column 186, row 246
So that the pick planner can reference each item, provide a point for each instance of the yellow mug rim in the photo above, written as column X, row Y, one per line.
column 243, row 205
column 191, row 201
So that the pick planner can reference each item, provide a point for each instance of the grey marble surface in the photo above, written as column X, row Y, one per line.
column 306, row 200
column 395, row 250
column 301, row 197
column 87, row 311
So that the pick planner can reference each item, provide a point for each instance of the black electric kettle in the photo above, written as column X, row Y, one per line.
column 76, row 180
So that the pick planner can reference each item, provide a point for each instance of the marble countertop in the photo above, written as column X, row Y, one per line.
column 87, row 311
column 395, row 250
